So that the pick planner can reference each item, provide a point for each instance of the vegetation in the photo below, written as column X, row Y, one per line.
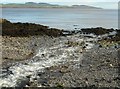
column 30, row 5
column 44, row 5
column 97, row 31
column 27, row 29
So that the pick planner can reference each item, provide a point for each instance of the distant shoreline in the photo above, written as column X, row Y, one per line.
column 55, row 8
column 45, row 5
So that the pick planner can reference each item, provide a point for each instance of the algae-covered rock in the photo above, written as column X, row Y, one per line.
column 97, row 31
column 27, row 29
column 3, row 20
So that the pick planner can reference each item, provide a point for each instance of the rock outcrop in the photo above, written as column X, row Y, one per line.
column 27, row 29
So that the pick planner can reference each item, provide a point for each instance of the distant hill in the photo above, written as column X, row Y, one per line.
column 40, row 4
column 28, row 5
column 44, row 5
column 85, row 7
column 31, row 3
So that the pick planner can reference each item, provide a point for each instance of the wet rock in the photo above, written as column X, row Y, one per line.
column 107, row 60
column 84, row 47
column 116, row 78
column 93, row 86
column 97, row 31
column 96, row 80
column 52, row 56
column 22, row 82
column 109, row 81
column 100, row 46
column 27, row 29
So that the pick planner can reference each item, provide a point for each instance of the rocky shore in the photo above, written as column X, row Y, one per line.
column 20, row 40
column 85, row 58
column 98, row 68
column 27, row 29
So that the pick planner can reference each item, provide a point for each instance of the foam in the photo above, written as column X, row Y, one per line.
column 20, row 71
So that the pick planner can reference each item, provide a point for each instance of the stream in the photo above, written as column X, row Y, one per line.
column 22, row 73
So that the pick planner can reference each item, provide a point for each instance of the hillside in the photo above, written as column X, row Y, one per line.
column 28, row 5
column 44, row 5
column 85, row 7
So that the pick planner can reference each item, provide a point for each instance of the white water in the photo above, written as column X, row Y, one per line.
column 59, row 53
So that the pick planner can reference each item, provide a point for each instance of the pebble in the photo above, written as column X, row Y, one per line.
column 111, row 65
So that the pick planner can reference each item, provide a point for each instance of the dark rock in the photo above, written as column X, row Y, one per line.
column 28, row 29
column 28, row 76
column 22, row 82
column 107, row 60
column 96, row 31
column 84, row 47
column 109, row 81
column 43, row 54
column 100, row 46
column 96, row 80
column 92, row 87
column 86, row 79
column 86, row 44
column 51, row 55
column 117, row 78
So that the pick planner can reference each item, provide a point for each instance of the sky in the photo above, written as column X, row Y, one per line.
column 111, row 4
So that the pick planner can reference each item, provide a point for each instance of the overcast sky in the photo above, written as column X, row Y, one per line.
column 100, row 3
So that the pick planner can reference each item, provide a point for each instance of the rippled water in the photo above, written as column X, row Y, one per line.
column 64, row 18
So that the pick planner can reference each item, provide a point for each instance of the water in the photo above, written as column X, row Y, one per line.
column 59, row 53
column 63, row 18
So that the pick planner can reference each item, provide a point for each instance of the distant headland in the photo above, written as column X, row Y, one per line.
column 44, row 5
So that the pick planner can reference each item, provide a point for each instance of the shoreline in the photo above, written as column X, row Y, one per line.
column 25, row 31
column 68, row 40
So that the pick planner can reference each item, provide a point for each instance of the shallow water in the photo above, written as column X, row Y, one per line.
column 63, row 18
column 60, row 52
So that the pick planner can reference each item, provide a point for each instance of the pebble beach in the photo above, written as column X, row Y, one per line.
column 75, row 59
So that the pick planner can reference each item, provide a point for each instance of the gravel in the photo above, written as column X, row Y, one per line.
column 99, row 67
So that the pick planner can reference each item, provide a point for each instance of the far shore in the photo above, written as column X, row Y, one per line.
column 45, row 5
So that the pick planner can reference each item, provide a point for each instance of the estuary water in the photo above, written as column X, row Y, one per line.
column 63, row 18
